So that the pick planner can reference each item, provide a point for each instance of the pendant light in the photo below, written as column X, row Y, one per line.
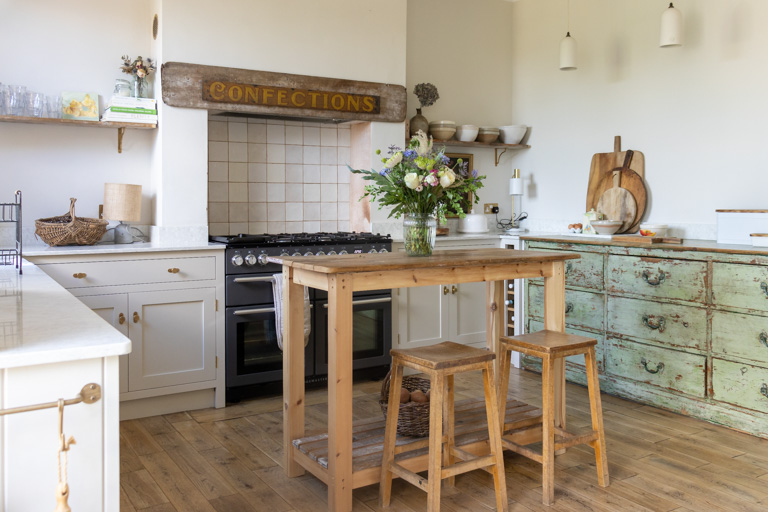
column 568, row 47
column 671, row 27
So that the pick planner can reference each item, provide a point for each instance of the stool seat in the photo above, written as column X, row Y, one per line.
column 443, row 355
column 549, row 342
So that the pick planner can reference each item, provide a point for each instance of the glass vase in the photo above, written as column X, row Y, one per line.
column 139, row 87
column 419, row 232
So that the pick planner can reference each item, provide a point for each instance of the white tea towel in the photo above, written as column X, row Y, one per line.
column 277, row 293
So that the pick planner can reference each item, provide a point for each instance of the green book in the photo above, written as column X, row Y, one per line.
column 129, row 110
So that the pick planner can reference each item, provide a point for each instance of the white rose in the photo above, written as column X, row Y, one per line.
column 394, row 160
column 425, row 143
column 447, row 179
column 431, row 180
column 411, row 180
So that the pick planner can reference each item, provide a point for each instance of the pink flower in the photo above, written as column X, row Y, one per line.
column 431, row 180
column 141, row 73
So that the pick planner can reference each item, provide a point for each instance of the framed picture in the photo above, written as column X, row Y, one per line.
column 83, row 106
column 468, row 199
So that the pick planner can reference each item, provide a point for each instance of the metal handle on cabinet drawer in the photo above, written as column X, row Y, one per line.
column 648, row 322
column 136, row 317
column 173, row 270
column 659, row 367
column 654, row 282
column 763, row 337
column 568, row 267
column 764, row 287
column 80, row 275
column 121, row 319
column 764, row 390
column 568, row 307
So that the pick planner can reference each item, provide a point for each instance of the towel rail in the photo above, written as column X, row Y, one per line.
column 89, row 394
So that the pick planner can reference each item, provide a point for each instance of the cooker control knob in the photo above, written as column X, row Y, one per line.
column 263, row 259
column 372, row 251
column 284, row 253
column 297, row 253
column 319, row 253
column 383, row 250
column 331, row 253
column 308, row 253
column 343, row 251
column 250, row 259
column 237, row 259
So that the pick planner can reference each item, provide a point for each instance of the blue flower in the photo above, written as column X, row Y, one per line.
column 474, row 173
column 409, row 153
column 384, row 172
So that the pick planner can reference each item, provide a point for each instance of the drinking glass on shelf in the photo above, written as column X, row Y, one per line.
column 36, row 104
column 18, row 95
column 54, row 107
column 5, row 100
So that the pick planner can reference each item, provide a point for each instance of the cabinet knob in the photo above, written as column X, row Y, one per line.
column 121, row 319
column 454, row 289
column 136, row 317
column 445, row 290
column 173, row 270
column 79, row 275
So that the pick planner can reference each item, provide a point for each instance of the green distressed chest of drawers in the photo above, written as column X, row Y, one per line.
column 682, row 327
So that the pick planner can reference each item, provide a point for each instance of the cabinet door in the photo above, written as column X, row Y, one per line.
column 173, row 336
column 422, row 318
column 466, row 313
column 114, row 309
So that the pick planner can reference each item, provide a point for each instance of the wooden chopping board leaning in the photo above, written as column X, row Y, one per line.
column 617, row 203
column 601, row 179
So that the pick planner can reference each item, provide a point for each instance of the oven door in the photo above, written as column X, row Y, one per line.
column 371, row 332
column 253, row 356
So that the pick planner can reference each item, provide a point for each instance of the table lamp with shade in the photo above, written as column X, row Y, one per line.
column 122, row 202
column 516, row 191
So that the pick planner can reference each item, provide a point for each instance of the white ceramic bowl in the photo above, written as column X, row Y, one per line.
column 606, row 227
column 467, row 132
column 473, row 223
column 512, row 134
column 653, row 230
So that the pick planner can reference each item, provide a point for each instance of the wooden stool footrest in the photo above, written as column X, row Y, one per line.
column 522, row 450
column 409, row 476
column 469, row 465
column 573, row 440
column 416, row 445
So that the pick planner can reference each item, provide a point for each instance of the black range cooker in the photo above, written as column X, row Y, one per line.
column 252, row 352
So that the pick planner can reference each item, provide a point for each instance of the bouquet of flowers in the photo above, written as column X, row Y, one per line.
column 140, row 68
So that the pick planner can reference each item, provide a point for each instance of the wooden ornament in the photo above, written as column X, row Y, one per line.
column 62, row 495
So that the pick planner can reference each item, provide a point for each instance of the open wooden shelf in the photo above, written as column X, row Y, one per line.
column 73, row 122
column 475, row 144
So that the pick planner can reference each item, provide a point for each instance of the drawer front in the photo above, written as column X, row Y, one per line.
column 125, row 272
column 661, row 367
column 743, row 336
column 658, row 278
column 585, row 272
column 535, row 326
column 582, row 309
column 740, row 286
column 740, row 384
column 674, row 325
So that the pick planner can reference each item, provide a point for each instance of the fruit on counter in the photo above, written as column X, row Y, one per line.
column 647, row 232
column 405, row 396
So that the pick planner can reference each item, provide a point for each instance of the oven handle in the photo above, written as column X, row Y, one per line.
column 366, row 301
column 253, row 279
column 243, row 312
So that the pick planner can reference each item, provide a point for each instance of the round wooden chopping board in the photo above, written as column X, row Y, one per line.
column 632, row 182
column 618, row 204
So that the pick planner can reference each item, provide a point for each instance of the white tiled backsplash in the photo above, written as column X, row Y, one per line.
column 273, row 176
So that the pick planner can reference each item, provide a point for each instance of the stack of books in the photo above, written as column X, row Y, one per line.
column 125, row 109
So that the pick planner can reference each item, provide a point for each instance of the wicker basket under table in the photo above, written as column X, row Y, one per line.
column 413, row 418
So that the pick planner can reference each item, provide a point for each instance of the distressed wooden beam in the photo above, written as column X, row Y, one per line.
column 267, row 93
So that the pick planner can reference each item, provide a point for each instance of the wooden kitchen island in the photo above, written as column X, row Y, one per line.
column 340, row 276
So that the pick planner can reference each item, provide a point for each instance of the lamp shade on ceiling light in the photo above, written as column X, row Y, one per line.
column 568, row 53
column 122, row 202
column 671, row 27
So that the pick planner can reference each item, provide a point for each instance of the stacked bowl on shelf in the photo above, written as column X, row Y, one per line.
column 442, row 130
column 445, row 130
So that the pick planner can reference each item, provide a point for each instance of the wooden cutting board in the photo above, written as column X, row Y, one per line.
column 618, row 204
column 602, row 164
column 631, row 181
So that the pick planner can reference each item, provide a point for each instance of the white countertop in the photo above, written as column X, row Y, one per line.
column 41, row 322
column 110, row 248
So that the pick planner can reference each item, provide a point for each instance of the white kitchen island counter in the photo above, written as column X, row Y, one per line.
column 51, row 345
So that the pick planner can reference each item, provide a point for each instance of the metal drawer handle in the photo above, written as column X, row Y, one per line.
column 658, row 324
column 173, row 270
column 568, row 307
column 366, row 301
column 764, row 390
column 136, row 317
column 763, row 337
column 80, row 275
column 121, row 319
column 253, row 279
column 654, row 282
column 242, row 312
column 568, row 268
column 659, row 367
column 764, row 287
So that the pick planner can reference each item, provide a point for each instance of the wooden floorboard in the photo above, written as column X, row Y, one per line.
column 228, row 460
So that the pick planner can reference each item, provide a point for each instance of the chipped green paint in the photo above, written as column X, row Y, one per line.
column 670, row 369
column 740, row 336
column 740, row 286
column 659, row 278
column 671, row 324
column 578, row 360
column 582, row 309
column 586, row 272
column 741, row 384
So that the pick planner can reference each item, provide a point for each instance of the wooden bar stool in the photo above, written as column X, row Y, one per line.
column 550, row 346
column 441, row 362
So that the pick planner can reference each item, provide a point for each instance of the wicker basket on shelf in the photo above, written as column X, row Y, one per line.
column 413, row 419
column 70, row 230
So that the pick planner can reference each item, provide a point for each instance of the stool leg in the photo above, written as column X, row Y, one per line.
column 390, row 434
column 494, row 439
column 448, row 427
column 558, row 377
column 435, row 442
column 505, row 362
column 595, row 406
column 548, row 430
